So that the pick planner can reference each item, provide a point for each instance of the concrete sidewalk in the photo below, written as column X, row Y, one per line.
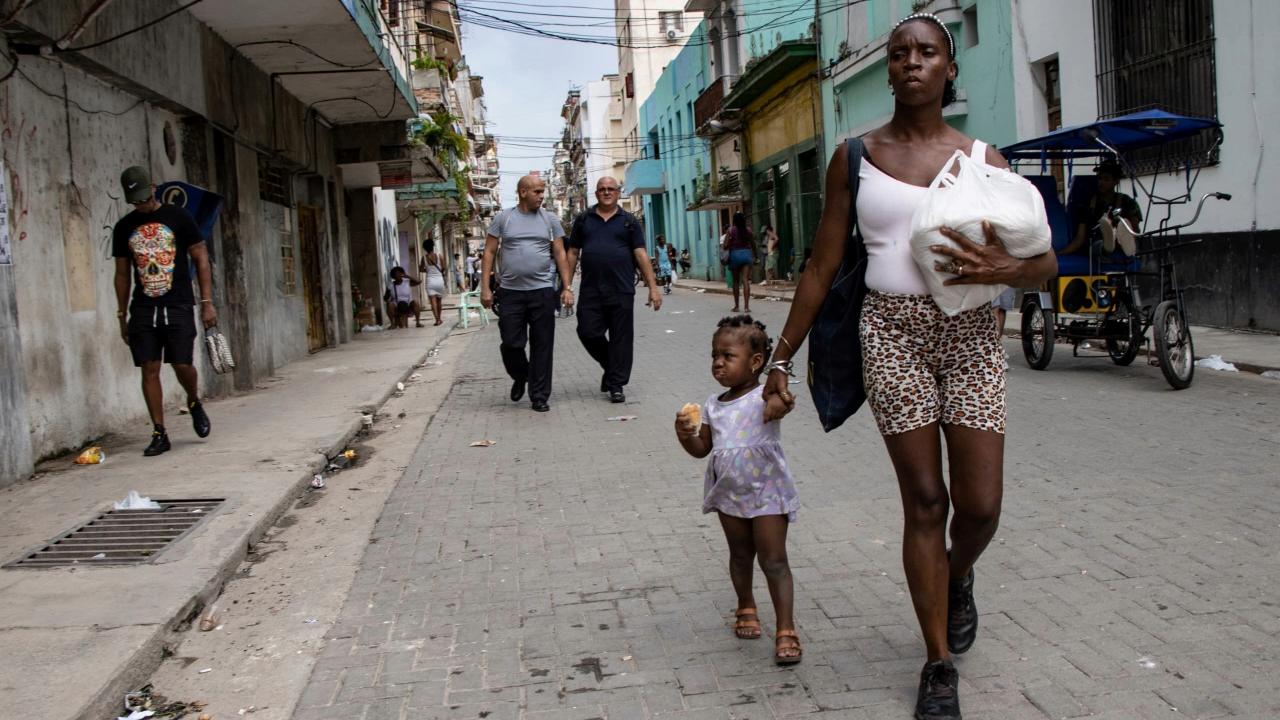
column 1255, row 352
column 77, row 638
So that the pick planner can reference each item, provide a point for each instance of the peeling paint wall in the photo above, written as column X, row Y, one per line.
column 189, row 108
column 64, row 162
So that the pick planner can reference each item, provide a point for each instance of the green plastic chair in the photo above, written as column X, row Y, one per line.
column 467, row 302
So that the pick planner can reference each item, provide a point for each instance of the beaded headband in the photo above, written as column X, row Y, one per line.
column 951, row 41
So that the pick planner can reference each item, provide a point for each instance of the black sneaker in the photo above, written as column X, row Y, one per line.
column 199, row 419
column 517, row 390
column 962, row 615
column 540, row 406
column 617, row 396
column 159, row 444
column 939, row 698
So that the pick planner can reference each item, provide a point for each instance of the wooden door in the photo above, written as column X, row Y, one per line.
column 312, row 286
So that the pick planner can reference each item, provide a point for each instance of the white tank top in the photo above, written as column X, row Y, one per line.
column 885, row 206
column 401, row 292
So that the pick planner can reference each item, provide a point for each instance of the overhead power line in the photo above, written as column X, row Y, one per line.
column 127, row 33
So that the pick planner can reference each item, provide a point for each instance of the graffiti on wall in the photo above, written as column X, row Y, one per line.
column 389, row 243
column 6, row 257
column 15, row 136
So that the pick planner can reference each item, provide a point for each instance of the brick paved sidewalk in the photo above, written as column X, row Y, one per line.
column 566, row 572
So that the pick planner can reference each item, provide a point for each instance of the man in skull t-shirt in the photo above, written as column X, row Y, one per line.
column 151, row 246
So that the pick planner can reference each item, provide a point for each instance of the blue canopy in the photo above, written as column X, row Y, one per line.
column 1127, row 132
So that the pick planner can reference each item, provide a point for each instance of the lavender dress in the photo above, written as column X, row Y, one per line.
column 747, row 475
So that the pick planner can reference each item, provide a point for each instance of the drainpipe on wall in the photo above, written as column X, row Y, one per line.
column 816, row 108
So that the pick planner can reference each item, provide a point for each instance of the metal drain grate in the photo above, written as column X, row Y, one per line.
column 122, row 537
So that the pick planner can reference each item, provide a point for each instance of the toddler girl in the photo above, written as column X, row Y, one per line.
column 747, row 482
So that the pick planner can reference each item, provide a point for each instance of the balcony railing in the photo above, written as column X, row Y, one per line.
column 710, row 106
column 709, row 103
column 728, row 183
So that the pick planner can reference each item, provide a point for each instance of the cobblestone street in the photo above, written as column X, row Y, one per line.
column 566, row 572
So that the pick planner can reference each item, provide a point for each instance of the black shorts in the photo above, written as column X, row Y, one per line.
column 162, row 334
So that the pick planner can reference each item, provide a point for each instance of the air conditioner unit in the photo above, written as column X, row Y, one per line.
column 673, row 35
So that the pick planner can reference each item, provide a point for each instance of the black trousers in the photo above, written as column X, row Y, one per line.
column 528, row 316
column 606, row 327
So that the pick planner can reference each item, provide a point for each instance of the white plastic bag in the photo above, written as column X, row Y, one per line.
column 135, row 501
column 977, row 192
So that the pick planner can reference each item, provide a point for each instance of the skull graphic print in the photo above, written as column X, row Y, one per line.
column 154, row 249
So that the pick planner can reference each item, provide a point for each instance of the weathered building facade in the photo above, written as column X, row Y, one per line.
column 289, row 111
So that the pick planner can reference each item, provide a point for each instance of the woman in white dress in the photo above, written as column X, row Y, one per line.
column 433, row 265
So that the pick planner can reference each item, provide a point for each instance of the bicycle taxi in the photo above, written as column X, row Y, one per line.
column 1104, row 295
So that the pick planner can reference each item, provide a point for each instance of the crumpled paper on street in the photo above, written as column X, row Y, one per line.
column 484, row 443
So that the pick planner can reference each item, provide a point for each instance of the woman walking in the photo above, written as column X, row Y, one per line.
column 741, row 245
column 926, row 375
column 433, row 265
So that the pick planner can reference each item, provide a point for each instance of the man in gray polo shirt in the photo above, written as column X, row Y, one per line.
column 530, row 238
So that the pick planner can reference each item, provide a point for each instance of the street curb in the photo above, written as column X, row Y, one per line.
column 1241, row 366
column 755, row 295
column 147, row 659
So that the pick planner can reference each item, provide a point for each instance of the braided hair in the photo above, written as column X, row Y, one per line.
column 754, row 332
column 948, row 90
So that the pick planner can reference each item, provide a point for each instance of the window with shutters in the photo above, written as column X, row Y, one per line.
column 670, row 21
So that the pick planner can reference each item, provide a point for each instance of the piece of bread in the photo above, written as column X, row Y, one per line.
column 693, row 411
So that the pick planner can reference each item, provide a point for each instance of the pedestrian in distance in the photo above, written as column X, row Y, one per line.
column 609, row 242
column 663, row 253
column 458, row 280
column 741, row 244
column 674, row 261
column 686, row 262
column 399, row 299
column 473, row 272
column 748, row 484
column 926, row 376
column 771, row 244
column 154, row 246
column 530, row 240
column 432, row 265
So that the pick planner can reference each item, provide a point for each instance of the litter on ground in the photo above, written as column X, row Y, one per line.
column 134, row 501
column 1215, row 362
column 91, row 456
column 484, row 443
column 1271, row 374
column 621, row 418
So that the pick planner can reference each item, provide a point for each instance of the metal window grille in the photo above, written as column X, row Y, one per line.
column 273, row 183
column 288, row 271
column 1158, row 54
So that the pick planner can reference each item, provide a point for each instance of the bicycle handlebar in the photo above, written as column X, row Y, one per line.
column 1189, row 223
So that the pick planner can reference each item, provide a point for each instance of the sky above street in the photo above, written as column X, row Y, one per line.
column 526, row 79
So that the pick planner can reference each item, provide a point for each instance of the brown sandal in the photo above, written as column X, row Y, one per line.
column 780, row 647
column 747, row 626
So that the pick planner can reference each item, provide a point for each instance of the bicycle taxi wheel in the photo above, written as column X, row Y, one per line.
column 1037, row 335
column 1173, row 345
column 1123, row 351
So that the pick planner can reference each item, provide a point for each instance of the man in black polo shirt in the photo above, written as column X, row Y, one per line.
column 610, row 242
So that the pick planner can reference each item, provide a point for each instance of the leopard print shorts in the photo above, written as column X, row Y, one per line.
column 920, row 366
